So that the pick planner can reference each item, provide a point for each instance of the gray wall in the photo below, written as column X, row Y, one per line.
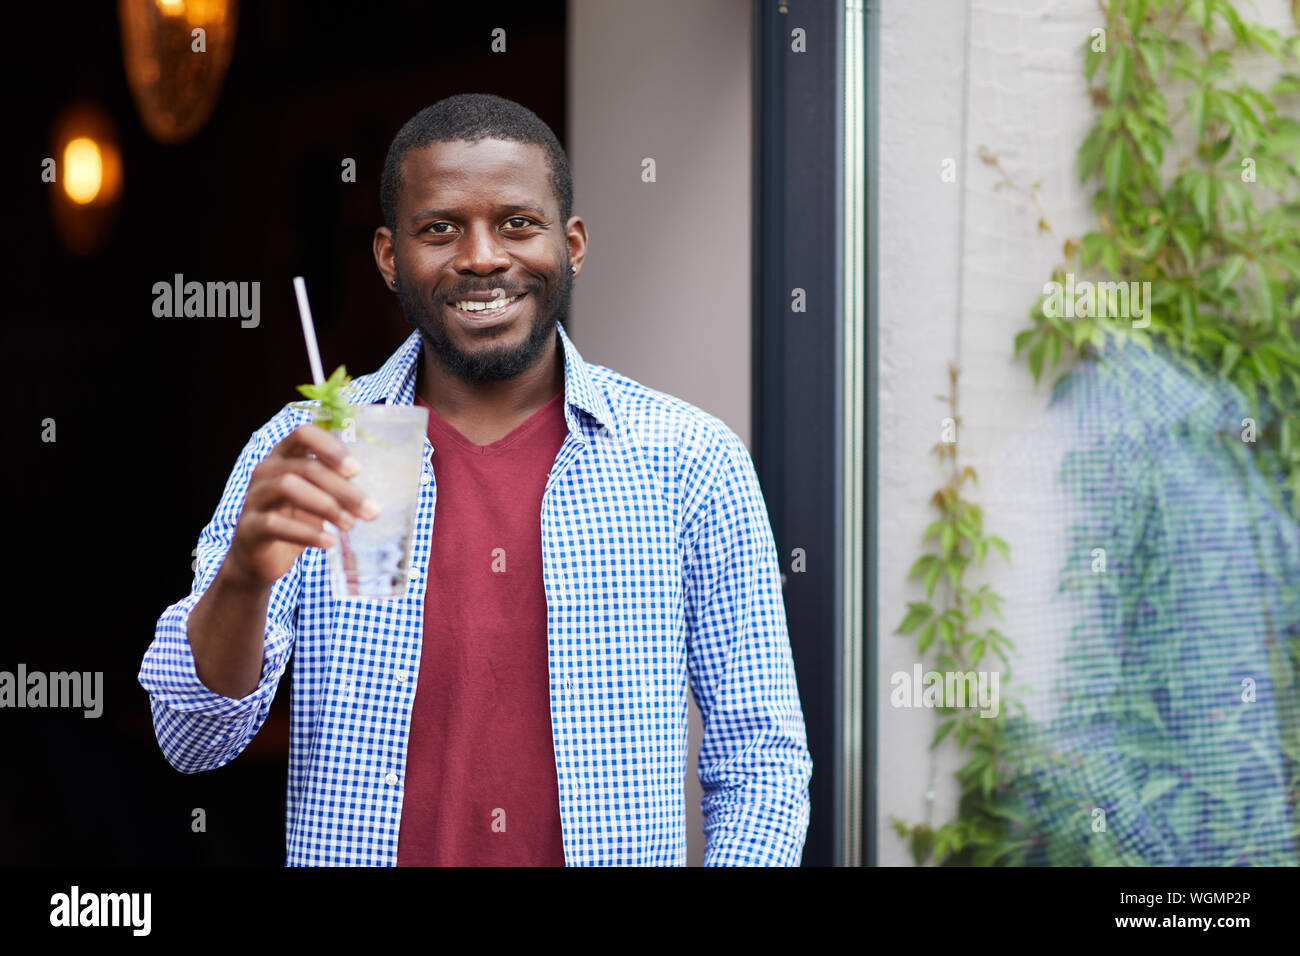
column 664, row 295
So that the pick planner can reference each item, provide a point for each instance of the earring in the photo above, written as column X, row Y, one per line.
column 393, row 283
column 573, row 270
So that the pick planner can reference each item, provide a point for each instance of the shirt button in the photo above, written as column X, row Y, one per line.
column 425, row 477
column 401, row 677
column 391, row 780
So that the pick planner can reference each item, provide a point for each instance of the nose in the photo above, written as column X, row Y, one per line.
column 481, row 251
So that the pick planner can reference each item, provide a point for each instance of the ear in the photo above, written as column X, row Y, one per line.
column 384, row 255
column 575, row 236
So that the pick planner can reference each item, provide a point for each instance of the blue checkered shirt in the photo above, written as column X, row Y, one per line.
column 660, row 570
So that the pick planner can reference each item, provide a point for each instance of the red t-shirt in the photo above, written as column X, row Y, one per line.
column 481, row 784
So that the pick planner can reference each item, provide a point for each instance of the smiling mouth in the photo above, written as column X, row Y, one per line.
column 490, row 307
column 485, row 310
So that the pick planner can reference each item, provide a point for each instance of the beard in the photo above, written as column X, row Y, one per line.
column 489, row 364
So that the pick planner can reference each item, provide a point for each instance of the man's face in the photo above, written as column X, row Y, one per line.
column 480, row 221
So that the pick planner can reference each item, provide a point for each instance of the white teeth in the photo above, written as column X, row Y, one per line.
column 484, row 306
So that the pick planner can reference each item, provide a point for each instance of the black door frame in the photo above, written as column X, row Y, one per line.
column 799, row 393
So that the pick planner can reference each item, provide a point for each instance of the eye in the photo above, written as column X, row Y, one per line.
column 433, row 225
column 521, row 219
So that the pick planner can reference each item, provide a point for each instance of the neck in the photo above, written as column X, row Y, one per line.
column 458, row 400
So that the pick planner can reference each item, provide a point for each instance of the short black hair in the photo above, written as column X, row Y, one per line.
column 472, row 117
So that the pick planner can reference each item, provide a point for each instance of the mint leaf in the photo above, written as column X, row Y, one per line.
column 333, row 397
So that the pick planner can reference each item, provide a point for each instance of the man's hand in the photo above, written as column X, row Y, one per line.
column 292, row 492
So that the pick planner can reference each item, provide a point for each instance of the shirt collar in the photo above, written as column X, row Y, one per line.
column 394, row 383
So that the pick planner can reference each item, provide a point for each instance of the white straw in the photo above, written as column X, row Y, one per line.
column 308, row 330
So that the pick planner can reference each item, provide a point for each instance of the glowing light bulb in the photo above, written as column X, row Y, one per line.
column 172, row 8
column 83, row 170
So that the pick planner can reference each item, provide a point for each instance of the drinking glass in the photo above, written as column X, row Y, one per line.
column 372, row 559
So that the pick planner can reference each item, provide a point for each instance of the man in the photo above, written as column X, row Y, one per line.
column 525, row 702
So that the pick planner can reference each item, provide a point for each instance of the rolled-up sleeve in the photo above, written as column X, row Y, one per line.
column 197, row 728
column 754, row 760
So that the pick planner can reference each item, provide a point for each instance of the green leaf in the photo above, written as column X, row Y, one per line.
column 1265, row 291
column 333, row 397
column 1153, row 55
column 1119, row 74
column 918, row 612
column 1231, row 269
column 1262, row 105
column 1233, row 19
column 1000, row 546
column 1136, row 12
column 932, row 578
column 1036, row 357
column 1287, row 83
column 1053, row 352
column 1022, row 338
column 926, row 638
column 1266, row 365
column 1187, row 307
column 947, row 538
column 1285, row 134
column 1154, row 238
column 1110, row 257
column 1090, row 248
column 1215, row 151
column 922, row 839
column 1090, row 152
column 946, row 631
column 1238, row 200
column 1202, row 198
column 1184, row 244
column 1231, row 352
column 1115, row 167
column 942, row 731
column 921, row 563
column 1198, row 105
column 1091, row 61
column 1266, row 38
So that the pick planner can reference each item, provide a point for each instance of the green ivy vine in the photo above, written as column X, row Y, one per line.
column 1215, row 229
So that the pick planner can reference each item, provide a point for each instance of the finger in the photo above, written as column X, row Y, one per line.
column 293, row 489
column 307, row 440
column 313, row 521
column 278, row 526
column 345, row 492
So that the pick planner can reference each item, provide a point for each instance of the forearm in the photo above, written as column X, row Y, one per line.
column 201, row 727
column 756, row 835
column 756, row 802
column 227, row 632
